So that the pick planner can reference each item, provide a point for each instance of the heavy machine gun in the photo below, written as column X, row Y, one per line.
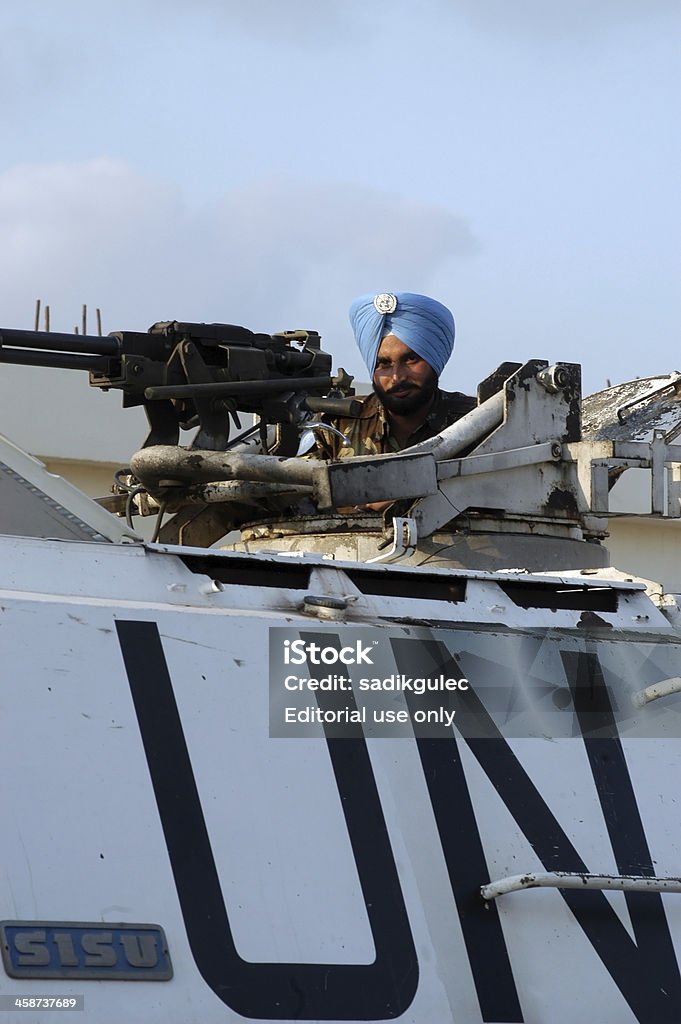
column 189, row 375
column 523, row 479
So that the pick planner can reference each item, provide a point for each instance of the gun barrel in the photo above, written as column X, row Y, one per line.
column 55, row 360
column 44, row 341
column 231, row 389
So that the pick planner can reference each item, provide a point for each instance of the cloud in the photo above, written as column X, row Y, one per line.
column 288, row 24
column 304, row 248
column 565, row 19
column 278, row 254
column 71, row 229
column 43, row 48
column 562, row 20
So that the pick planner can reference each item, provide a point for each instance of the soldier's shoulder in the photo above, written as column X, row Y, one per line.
column 456, row 404
column 370, row 404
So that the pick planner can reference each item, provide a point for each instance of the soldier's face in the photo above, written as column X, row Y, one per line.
column 403, row 381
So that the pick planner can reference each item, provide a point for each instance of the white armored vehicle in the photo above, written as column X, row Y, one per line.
column 285, row 763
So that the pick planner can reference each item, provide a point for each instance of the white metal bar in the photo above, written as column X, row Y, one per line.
column 470, row 429
column 495, row 461
column 656, row 690
column 570, row 880
column 657, row 472
column 674, row 490
column 641, row 450
column 599, row 486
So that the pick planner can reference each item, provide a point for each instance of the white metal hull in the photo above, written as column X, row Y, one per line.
column 346, row 873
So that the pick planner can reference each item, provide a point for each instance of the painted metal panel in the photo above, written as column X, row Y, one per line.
column 318, row 879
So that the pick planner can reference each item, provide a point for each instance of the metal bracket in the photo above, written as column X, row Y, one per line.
column 405, row 538
column 596, row 459
column 368, row 478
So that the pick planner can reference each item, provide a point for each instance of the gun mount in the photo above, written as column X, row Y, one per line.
column 521, row 481
column 517, row 482
column 499, row 487
column 190, row 375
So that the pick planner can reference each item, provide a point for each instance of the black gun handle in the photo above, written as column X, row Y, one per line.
column 342, row 407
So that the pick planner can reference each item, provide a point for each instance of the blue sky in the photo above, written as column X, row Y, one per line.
column 262, row 163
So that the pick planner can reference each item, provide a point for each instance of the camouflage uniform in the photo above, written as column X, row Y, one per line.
column 369, row 434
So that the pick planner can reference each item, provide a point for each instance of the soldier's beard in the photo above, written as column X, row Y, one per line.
column 407, row 399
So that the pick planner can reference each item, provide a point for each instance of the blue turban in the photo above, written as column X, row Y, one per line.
column 423, row 324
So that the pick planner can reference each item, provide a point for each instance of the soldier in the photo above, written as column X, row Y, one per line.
column 405, row 340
